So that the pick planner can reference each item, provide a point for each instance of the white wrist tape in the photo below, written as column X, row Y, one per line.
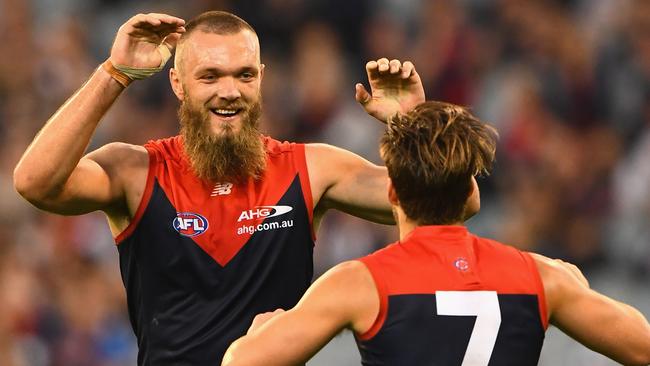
column 138, row 73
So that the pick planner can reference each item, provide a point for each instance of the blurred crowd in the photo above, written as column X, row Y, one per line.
column 566, row 82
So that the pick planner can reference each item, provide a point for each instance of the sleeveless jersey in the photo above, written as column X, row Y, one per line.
column 448, row 297
column 200, row 260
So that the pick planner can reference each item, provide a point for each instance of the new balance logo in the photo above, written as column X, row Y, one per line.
column 221, row 189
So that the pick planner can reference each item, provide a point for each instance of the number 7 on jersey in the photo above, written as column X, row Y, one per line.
column 485, row 306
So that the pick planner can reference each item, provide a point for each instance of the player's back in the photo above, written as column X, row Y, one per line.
column 451, row 298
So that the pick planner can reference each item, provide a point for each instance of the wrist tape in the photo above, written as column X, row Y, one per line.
column 126, row 74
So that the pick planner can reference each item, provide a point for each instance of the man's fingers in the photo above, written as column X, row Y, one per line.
column 156, row 18
column 372, row 69
column 392, row 67
column 165, row 18
column 407, row 69
column 383, row 65
column 361, row 94
column 158, row 23
column 171, row 40
column 395, row 66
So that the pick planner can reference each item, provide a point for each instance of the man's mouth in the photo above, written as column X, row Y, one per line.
column 226, row 112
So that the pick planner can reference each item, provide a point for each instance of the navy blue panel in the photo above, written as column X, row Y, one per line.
column 185, row 308
column 413, row 334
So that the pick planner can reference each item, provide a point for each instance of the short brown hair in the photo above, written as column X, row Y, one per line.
column 216, row 22
column 431, row 154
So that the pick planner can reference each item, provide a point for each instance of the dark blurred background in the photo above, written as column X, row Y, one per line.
column 566, row 82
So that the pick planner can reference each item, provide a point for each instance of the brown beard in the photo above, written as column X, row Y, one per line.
column 230, row 157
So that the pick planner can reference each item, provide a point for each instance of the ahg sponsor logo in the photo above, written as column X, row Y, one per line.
column 190, row 224
column 250, row 229
column 263, row 212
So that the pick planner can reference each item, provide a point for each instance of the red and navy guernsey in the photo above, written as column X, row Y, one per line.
column 448, row 297
column 199, row 260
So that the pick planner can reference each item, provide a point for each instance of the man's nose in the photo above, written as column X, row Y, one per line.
column 228, row 89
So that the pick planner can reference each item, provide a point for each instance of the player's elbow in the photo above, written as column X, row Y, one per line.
column 30, row 188
column 24, row 183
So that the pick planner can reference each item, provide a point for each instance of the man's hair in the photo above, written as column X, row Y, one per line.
column 431, row 154
column 217, row 22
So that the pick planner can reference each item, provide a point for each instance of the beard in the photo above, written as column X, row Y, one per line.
column 232, row 157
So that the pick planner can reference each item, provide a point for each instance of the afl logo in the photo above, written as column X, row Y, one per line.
column 190, row 224
column 461, row 264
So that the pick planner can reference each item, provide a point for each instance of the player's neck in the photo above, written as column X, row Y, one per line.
column 406, row 225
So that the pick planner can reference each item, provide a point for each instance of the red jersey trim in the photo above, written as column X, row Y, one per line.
column 383, row 302
column 541, row 293
column 301, row 164
column 144, row 201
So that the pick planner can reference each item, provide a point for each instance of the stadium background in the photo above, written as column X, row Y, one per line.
column 567, row 83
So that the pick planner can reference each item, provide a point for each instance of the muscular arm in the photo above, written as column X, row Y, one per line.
column 52, row 173
column 347, row 182
column 607, row 326
column 344, row 297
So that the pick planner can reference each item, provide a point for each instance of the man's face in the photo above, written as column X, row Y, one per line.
column 220, row 76
column 217, row 80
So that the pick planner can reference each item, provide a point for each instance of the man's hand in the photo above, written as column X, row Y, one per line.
column 262, row 318
column 137, row 41
column 395, row 87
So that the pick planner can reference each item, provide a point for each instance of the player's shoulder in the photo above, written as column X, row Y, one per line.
column 348, row 270
column 319, row 149
column 349, row 279
column 169, row 148
column 120, row 155
column 277, row 147
column 389, row 251
column 557, row 275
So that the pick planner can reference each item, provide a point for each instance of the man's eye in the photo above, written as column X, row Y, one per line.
column 208, row 77
column 247, row 75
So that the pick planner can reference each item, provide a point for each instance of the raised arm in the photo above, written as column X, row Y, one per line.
column 606, row 326
column 52, row 174
column 347, row 182
column 344, row 297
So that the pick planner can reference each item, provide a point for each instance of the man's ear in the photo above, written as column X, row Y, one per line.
column 177, row 86
column 392, row 194
column 262, row 67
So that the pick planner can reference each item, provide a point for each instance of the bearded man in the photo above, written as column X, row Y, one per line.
column 217, row 224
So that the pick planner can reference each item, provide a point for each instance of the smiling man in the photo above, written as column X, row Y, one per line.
column 216, row 224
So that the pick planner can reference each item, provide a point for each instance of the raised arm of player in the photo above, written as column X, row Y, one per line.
column 347, row 182
column 344, row 297
column 52, row 174
column 607, row 326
